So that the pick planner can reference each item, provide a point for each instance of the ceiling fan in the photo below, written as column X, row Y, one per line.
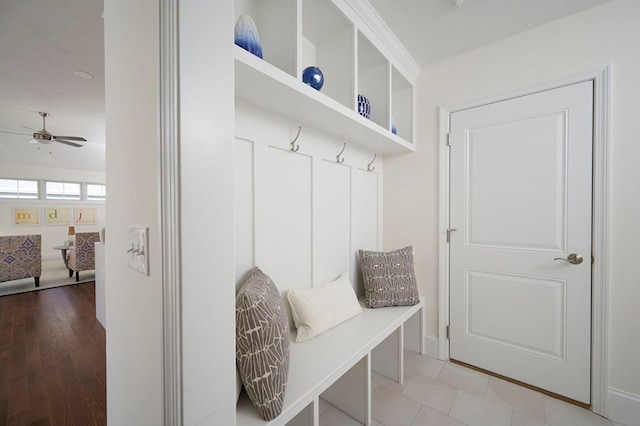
column 45, row 137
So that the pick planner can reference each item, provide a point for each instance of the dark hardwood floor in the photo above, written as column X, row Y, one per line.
column 52, row 358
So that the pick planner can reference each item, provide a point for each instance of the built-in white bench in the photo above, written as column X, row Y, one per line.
column 337, row 365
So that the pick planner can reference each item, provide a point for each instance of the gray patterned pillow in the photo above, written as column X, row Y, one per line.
column 262, row 343
column 389, row 278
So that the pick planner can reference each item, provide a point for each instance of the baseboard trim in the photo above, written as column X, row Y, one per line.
column 624, row 407
column 431, row 345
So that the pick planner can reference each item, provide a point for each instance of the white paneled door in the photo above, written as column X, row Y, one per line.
column 520, row 259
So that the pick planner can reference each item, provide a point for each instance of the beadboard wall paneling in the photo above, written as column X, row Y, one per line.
column 283, row 211
column 366, row 202
column 332, row 221
column 301, row 216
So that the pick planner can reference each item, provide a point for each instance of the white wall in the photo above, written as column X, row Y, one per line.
column 133, row 301
column 607, row 34
column 206, row 132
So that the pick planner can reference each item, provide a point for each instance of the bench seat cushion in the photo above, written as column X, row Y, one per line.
column 318, row 309
column 389, row 278
column 262, row 343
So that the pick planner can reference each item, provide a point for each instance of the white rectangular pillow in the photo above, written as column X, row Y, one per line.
column 318, row 309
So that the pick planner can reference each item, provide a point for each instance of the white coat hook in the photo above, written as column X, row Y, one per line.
column 294, row 147
column 370, row 166
column 340, row 160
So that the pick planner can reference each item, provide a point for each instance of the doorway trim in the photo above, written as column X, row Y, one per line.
column 170, row 217
column 601, row 77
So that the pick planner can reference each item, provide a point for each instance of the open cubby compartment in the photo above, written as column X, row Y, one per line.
column 373, row 81
column 328, row 42
column 276, row 21
column 401, row 105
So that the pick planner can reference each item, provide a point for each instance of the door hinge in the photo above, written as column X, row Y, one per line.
column 448, row 332
column 449, row 139
column 449, row 231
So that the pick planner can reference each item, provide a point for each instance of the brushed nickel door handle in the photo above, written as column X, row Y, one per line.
column 573, row 258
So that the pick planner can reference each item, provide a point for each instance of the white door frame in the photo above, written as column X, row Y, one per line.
column 600, row 232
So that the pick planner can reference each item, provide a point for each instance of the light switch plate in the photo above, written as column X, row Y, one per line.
column 138, row 249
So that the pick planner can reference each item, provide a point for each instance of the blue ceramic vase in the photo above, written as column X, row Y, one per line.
column 313, row 77
column 364, row 107
column 246, row 35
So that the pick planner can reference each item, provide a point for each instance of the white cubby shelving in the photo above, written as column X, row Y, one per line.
column 402, row 105
column 296, row 34
column 328, row 43
column 277, row 22
column 373, row 81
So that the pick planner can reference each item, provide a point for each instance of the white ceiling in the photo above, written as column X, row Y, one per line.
column 43, row 42
column 433, row 30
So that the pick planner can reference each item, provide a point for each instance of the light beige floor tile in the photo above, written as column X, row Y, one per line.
column 429, row 417
column 560, row 413
column 333, row 417
column 476, row 411
column 392, row 408
column 416, row 364
column 431, row 393
column 385, row 381
column 464, row 379
column 518, row 398
column 518, row 419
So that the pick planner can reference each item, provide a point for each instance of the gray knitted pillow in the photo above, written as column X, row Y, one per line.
column 389, row 278
column 262, row 343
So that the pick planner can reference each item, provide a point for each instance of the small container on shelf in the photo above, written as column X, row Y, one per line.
column 364, row 106
column 246, row 35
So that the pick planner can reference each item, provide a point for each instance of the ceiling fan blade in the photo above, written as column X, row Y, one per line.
column 77, row 145
column 15, row 133
column 71, row 138
column 29, row 128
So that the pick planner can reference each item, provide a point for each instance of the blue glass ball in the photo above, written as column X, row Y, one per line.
column 313, row 77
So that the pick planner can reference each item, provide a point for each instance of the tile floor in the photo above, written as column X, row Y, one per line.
column 445, row 394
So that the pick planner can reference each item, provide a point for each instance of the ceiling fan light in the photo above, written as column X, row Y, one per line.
column 42, row 137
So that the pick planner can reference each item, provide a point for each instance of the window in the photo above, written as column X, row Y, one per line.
column 63, row 191
column 96, row 192
column 24, row 189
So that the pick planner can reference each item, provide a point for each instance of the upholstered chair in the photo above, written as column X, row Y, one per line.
column 20, row 257
column 82, row 255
